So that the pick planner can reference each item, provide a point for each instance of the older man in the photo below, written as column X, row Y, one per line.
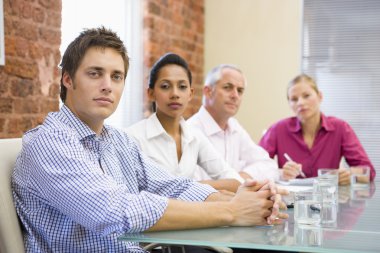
column 222, row 95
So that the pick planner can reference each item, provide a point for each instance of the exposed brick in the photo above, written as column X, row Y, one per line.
column 50, row 36
column 22, row 88
column 28, row 52
column 4, row 86
column 21, row 68
column 39, row 15
column 6, row 105
column 54, row 19
column 49, row 57
column 46, row 3
column 57, row 59
column 7, row 6
column 15, row 6
column 54, row 5
column 149, row 22
column 54, row 90
column 35, row 50
column 10, row 135
column 10, row 46
column 26, row 106
column 154, row 8
column 22, row 47
column 19, row 125
column 8, row 24
column 2, row 124
column 26, row 30
column 26, row 10
column 57, row 74
column 179, row 29
column 49, row 105
column 38, row 120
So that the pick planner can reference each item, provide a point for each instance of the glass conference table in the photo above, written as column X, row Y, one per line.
column 357, row 230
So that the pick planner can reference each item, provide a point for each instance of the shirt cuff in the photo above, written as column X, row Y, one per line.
column 144, row 211
column 197, row 192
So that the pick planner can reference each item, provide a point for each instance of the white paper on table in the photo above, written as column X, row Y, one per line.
column 289, row 199
column 298, row 181
column 295, row 188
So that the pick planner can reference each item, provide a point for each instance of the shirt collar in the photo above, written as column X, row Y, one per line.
column 326, row 124
column 209, row 124
column 295, row 125
column 154, row 129
column 83, row 130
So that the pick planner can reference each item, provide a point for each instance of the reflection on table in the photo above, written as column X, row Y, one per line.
column 357, row 230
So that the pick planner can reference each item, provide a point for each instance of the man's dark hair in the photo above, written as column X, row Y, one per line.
column 166, row 59
column 97, row 37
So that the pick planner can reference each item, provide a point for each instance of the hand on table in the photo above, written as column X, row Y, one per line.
column 275, row 196
column 344, row 176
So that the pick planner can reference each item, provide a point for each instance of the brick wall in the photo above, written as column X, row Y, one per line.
column 29, row 81
column 175, row 26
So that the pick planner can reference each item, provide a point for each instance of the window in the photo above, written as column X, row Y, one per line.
column 341, row 50
column 125, row 18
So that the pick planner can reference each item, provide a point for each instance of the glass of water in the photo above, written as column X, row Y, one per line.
column 326, row 186
column 307, row 207
column 360, row 177
column 308, row 235
column 330, row 173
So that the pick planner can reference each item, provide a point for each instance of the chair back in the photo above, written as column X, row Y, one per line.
column 11, row 240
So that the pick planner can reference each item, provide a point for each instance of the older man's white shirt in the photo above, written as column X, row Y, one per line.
column 236, row 146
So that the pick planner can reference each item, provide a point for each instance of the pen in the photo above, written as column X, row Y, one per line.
column 290, row 160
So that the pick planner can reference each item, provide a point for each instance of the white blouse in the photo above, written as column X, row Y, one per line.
column 196, row 150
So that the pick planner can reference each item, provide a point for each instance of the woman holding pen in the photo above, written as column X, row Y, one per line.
column 312, row 140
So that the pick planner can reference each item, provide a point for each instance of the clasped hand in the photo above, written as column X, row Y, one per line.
column 259, row 203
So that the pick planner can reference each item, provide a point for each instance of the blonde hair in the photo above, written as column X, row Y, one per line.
column 302, row 78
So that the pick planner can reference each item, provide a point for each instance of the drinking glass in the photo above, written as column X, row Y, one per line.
column 333, row 173
column 360, row 177
column 307, row 207
column 326, row 186
column 308, row 235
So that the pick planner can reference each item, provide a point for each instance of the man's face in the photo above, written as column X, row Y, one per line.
column 224, row 98
column 94, row 92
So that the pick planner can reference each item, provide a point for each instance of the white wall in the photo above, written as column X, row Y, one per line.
column 262, row 37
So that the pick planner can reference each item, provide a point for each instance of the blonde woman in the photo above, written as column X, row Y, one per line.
column 312, row 140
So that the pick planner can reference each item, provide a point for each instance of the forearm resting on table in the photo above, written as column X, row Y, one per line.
column 360, row 178
column 222, row 195
column 245, row 175
column 190, row 215
column 223, row 184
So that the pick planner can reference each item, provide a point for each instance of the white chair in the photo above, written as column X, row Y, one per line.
column 10, row 231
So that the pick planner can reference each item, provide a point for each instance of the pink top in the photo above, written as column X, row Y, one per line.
column 335, row 139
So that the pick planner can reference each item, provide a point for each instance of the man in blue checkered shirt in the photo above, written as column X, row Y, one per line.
column 79, row 184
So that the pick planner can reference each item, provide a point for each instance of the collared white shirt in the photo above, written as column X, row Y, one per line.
column 236, row 146
column 196, row 150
